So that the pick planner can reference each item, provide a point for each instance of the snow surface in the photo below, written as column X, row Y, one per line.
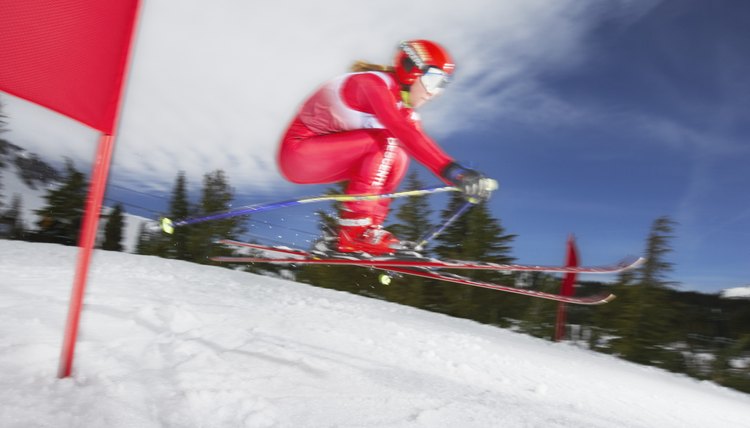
column 172, row 344
column 736, row 293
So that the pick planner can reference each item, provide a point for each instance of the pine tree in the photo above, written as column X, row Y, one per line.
column 474, row 236
column 3, row 154
column 179, row 208
column 646, row 319
column 216, row 196
column 142, row 246
column 176, row 245
column 414, row 214
column 15, row 216
column 113, row 229
column 151, row 242
column 1, row 182
column 724, row 372
column 60, row 220
column 11, row 221
column 4, row 223
column 539, row 315
column 3, row 143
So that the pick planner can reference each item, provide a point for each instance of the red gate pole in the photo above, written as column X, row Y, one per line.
column 71, row 56
column 566, row 288
column 86, row 242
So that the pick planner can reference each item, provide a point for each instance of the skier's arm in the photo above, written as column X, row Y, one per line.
column 374, row 95
column 382, row 104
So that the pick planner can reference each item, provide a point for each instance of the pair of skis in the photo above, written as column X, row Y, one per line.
column 430, row 268
column 414, row 266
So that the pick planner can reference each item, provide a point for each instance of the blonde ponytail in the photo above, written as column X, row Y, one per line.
column 360, row 66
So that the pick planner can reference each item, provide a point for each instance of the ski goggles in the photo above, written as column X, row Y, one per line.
column 434, row 80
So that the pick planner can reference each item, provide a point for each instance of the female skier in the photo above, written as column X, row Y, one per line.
column 361, row 127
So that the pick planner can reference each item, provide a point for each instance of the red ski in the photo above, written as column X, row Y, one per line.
column 598, row 299
column 293, row 256
column 417, row 267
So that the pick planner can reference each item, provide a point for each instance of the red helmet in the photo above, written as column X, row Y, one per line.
column 415, row 57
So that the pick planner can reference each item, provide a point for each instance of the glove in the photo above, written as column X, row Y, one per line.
column 475, row 185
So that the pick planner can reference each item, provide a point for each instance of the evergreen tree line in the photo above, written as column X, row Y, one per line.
column 59, row 221
column 197, row 242
column 649, row 323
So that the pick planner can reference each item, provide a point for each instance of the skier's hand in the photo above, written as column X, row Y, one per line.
column 475, row 185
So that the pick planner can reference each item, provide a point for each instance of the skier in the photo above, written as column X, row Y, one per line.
column 362, row 127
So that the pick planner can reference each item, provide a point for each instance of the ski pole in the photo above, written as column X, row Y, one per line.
column 437, row 230
column 491, row 186
column 167, row 225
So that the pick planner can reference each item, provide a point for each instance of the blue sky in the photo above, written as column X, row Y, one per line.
column 596, row 117
column 662, row 105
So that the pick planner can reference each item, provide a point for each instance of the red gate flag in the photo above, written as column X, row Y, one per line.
column 67, row 55
column 571, row 260
column 71, row 56
column 567, row 287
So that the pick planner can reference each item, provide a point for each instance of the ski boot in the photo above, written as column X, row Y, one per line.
column 371, row 239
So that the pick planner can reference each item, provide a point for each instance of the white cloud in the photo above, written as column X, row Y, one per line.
column 213, row 85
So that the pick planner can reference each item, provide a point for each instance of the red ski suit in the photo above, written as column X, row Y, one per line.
column 356, row 128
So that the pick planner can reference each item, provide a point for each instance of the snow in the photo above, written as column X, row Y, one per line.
column 737, row 293
column 171, row 344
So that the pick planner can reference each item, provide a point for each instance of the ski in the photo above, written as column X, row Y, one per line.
column 274, row 249
column 597, row 299
column 293, row 256
column 300, row 256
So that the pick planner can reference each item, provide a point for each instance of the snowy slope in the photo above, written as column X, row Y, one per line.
column 172, row 344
